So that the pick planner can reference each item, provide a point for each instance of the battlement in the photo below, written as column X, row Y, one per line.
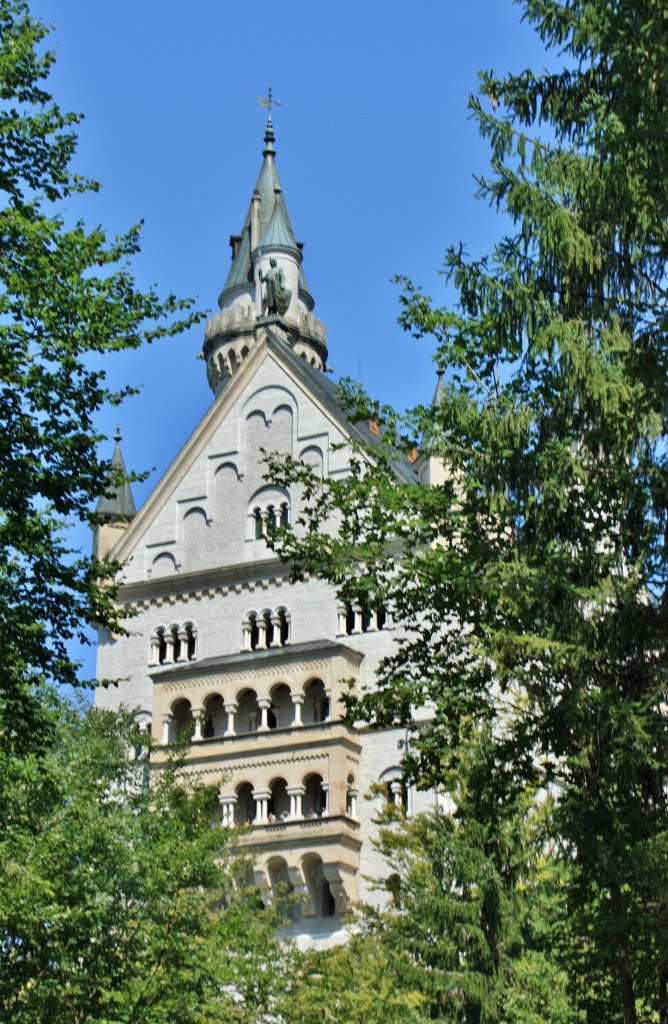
column 310, row 327
column 233, row 320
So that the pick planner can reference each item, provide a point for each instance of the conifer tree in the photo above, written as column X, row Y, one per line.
column 532, row 579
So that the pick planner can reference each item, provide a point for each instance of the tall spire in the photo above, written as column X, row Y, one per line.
column 265, row 253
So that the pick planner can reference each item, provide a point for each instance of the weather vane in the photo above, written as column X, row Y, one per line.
column 266, row 101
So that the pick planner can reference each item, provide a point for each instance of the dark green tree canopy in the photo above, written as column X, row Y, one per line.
column 531, row 579
column 67, row 297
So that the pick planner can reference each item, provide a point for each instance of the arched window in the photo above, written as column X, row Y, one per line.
column 254, row 631
column 257, row 515
column 183, row 719
column 316, row 703
column 281, row 712
column 191, row 641
column 396, row 790
column 318, row 887
column 279, row 802
column 269, row 508
column 267, row 629
column 248, row 712
column 244, row 812
column 315, row 797
column 284, row 626
column 282, row 889
column 215, row 717
column 162, row 645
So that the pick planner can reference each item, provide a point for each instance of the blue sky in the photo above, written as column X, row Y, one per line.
column 375, row 151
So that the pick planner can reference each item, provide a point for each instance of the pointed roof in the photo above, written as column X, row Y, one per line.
column 429, row 437
column 439, row 393
column 279, row 230
column 268, row 188
column 117, row 502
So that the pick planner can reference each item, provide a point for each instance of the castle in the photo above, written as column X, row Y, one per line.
column 223, row 648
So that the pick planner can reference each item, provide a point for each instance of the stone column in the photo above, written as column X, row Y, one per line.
column 264, row 703
column 246, row 633
column 198, row 719
column 182, row 653
column 352, row 802
column 357, row 628
column 231, row 708
column 325, row 799
column 228, row 804
column 397, row 791
column 296, row 794
column 275, row 631
column 261, row 797
column 298, row 703
column 155, row 650
column 373, row 621
column 261, row 633
column 167, row 723
column 169, row 648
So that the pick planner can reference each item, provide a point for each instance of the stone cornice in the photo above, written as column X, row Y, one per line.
column 205, row 583
column 312, row 656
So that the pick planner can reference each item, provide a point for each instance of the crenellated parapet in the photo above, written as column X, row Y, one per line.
column 228, row 338
column 309, row 339
column 238, row 319
column 230, row 335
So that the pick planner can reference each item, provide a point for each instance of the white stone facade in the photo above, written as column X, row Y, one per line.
column 224, row 647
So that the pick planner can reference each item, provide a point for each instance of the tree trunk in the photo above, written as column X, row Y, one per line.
column 624, row 957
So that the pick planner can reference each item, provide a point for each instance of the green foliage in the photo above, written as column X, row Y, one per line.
column 67, row 298
column 118, row 899
column 357, row 983
column 472, row 893
column 531, row 579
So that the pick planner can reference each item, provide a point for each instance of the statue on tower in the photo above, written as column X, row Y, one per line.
column 276, row 297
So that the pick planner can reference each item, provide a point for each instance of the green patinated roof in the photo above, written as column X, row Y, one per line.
column 279, row 230
column 268, row 187
column 439, row 393
column 118, row 501
column 240, row 271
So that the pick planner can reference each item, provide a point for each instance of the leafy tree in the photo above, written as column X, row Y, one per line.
column 356, row 983
column 531, row 577
column 119, row 902
column 67, row 297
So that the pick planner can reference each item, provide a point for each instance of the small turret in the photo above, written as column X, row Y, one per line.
column 265, row 284
column 116, row 507
column 430, row 468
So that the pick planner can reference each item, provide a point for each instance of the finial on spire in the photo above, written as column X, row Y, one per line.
column 266, row 102
column 118, row 435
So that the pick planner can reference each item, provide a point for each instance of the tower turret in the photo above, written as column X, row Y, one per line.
column 116, row 507
column 265, row 285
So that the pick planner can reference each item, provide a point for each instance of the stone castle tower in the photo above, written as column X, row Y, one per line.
column 224, row 648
